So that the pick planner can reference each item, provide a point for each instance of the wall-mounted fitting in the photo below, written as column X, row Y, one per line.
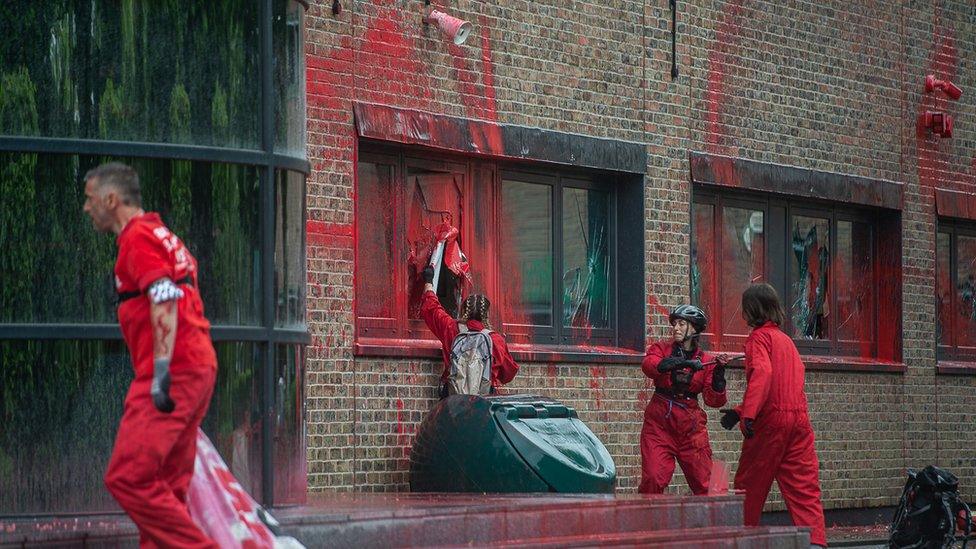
column 932, row 83
column 939, row 122
column 452, row 27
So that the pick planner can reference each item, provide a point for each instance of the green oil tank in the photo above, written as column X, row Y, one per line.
column 505, row 444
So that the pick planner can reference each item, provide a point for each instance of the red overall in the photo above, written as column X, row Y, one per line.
column 783, row 445
column 152, row 461
column 675, row 427
column 445, row 327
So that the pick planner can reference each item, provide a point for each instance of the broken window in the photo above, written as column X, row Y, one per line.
column 539, row 244
column 586, row 258
column 822, row 261
column 810, row 307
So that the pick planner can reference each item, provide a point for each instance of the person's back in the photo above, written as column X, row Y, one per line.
column 784, row 371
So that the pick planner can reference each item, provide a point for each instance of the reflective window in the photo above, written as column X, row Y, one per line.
column 289, row 77
column 821, row 260
column 854, row 282
column 290, row 272
column 61, row 402
column 527, row 252
column 233, row 422
column 57, row 268
column 60, row 406
column 943, row 272
column 290, row 461
column 743, row 256
column 956, row 289
column 174, row 72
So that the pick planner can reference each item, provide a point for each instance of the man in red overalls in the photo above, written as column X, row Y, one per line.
column 162, row 321
column 779, row 441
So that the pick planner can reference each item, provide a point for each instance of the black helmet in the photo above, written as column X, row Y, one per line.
column 695, row 316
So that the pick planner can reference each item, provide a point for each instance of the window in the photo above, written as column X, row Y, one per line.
column 541, row 243
column 956, row 290
column 822, row 258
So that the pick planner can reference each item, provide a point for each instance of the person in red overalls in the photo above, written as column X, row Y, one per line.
column 474, row 315
column 779, row 441
column 161, row 316
column 674, row 423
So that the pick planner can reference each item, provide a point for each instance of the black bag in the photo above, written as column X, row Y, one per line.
column 930, row 512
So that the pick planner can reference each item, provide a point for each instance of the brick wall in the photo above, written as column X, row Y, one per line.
column 832, row 86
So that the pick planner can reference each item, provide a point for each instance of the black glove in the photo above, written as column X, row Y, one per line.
column 669, row 363
column 695, row 365
column 428, row 274
column 747, row 428
column 160, row 386
column 729, row 418
column 718, row 378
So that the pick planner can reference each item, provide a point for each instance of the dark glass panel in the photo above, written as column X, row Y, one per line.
column 375, row 227
column 527, row 253
column 233, row 422
column 60, row 406
column 809, row 274
column 943, row 272
column 743, row 257
column 289, row 77
column 703, row 287
column 586, row 258
column 854, row 317
column 965, row 328
column 56, row 268
column 290, row 249
column 290, row 461
column 165, row 71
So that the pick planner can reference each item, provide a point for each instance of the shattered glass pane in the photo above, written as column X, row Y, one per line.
column 743, row 257
column 854, row 282
column 965, row 329
column 374, row 230
column 586, row 258
column 809, row 270
column 943, row 290
column 527, row 253
column 433, row 198
column 703, row 287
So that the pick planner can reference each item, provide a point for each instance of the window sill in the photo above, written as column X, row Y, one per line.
column 420, row 348
column 822, row 363
column 958, row 368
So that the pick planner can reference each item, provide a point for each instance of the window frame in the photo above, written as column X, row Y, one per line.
column 778, row 212
column 477, row 171
column 954, row 228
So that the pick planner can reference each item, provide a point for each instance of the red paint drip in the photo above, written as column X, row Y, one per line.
column 726, row 34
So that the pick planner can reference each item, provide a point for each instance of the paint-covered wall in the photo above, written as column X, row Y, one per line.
column 830, row 86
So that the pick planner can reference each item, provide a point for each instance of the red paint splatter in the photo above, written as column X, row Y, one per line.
column 319, row 233
column 728, row 31
column 598, row 377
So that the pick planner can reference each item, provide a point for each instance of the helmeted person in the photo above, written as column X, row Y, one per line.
column 473, row 319
column 162, row 321
column 674, row 423
column 773, row 417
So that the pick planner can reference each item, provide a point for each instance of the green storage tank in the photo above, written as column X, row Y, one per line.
column 504, row 444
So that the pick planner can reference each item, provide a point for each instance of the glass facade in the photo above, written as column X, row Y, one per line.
column 225, row 167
